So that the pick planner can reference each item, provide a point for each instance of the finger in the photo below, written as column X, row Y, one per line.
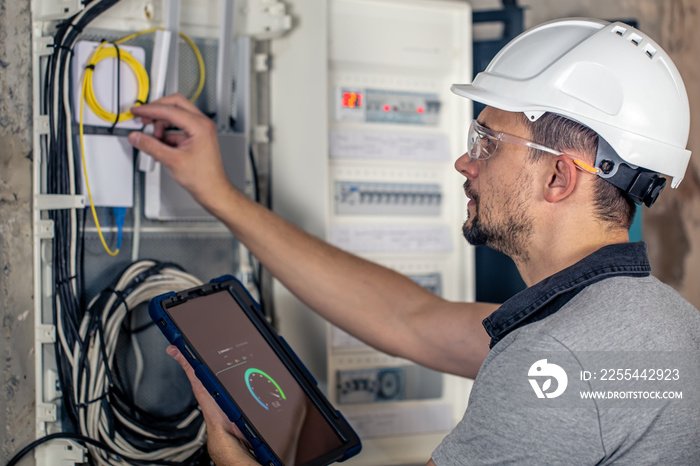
column 213, row 415
column 167, row 113
column 159, row 128
column 200, row 392
column 178, row 100
column 153, row 147
column 174, row 139
column 175, row 353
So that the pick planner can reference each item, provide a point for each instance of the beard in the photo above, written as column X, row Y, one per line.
column 509, row 234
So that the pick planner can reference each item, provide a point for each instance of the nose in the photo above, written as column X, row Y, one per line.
column 467, row 167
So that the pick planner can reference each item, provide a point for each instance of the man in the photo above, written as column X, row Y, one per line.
column 581, row 117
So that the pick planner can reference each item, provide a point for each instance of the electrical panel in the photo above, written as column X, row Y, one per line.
column 365, row 134
column 366, row 137
column 373, row 198
column 387, row 106
column 81, row 118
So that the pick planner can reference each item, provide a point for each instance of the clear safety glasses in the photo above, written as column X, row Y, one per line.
column 482, row 144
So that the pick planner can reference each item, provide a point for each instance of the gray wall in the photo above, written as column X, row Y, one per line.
column 16, row 301
column 672, row 227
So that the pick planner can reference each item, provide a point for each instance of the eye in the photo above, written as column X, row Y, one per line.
column 488, row 144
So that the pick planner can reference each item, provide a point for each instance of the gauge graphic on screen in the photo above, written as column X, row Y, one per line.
column 264, row 389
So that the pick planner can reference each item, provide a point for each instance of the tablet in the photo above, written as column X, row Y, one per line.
column 253, row 375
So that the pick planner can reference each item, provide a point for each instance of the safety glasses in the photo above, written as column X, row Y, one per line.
column 482, row 144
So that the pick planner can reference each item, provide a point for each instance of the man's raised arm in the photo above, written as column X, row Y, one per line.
column 379, row 306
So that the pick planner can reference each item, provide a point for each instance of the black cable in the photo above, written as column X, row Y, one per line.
column 254, row 171
column 58, row 182
column 69, row 297
column 65, row 285
column 81, row 438
column 257, row 271
column 119, row 100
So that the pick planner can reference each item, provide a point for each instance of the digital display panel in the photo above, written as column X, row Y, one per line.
column 265, row 391
column 351, row 99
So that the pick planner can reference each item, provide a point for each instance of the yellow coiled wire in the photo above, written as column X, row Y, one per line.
column 142, row 82
column 88, row 95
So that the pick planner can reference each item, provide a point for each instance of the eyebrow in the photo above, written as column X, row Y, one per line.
column 485, row 125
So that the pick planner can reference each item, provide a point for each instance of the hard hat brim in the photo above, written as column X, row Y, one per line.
column 673, row 162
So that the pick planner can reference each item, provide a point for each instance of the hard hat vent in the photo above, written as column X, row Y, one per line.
column 650, row 51
column 619, row 30
column 636, row 39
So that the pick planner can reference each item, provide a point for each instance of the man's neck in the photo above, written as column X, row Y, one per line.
column 558, row 250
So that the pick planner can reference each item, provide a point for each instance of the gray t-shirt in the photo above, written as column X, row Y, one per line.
column 608, row 325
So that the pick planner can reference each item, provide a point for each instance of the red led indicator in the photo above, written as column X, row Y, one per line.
column 420, row 109
column 351, row 100
column 387, row 108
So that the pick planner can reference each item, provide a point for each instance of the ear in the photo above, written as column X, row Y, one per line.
column 561, row 180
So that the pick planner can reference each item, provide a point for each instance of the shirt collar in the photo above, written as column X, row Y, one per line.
column 549, row 295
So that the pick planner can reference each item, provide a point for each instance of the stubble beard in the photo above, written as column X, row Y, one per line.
column 509, row 236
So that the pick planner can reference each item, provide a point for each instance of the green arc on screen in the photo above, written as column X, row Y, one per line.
column 253, row 370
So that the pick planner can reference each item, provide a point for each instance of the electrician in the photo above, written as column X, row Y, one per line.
column 582, row 118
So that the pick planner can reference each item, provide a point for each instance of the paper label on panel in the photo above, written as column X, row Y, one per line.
column 345, row 144
column 391, row 238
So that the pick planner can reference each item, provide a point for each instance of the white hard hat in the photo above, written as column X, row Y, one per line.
column 607, row 76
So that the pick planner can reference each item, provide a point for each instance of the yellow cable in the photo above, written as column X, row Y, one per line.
column 100, row 54
column 88, row 95
column 139, row 71
column 84, row 88
column 193, row 46
column 200, row 63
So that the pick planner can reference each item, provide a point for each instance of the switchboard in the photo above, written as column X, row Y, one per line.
column 367, row 145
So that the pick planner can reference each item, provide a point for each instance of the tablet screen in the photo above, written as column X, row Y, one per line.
column 260, row 384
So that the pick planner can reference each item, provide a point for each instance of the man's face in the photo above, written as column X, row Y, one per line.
column 500, row 190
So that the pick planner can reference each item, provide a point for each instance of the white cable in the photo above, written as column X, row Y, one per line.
column 61, row 333
column 138, row 355
column 93, row 419
column 71, row 179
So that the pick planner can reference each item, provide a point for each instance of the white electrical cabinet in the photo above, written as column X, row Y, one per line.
column 205, row 248
column 365, row 134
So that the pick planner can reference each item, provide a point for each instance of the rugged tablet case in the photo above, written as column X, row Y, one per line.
column 263, row 453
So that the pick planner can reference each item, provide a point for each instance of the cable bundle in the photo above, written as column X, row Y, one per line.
column 68, row 303
column 93, row 399
column 106, row 411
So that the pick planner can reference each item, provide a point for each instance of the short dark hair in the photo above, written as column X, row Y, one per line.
column 563, row 134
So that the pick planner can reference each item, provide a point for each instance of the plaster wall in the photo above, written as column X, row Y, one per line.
column 16, row 300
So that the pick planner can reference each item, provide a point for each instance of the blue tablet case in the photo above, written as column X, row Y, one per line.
column 261, row 450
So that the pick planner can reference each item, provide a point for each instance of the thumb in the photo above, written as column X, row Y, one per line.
column 197, row 387
column 150, row 146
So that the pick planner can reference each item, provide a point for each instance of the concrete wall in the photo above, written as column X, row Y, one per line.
column 16, row 301
column 672, row 227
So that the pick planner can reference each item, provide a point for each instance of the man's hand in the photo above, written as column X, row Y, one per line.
column 191, row 155
column 226, row 444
